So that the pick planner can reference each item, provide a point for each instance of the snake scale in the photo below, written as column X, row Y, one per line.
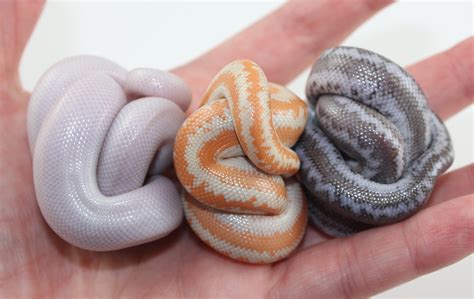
column 372, row 148
column 96, row 133
column 233, row 157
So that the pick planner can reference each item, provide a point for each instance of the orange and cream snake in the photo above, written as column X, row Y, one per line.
column 233, row 158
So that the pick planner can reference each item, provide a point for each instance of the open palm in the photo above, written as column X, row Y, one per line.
column 35, row 261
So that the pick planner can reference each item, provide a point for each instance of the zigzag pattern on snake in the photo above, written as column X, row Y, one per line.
column 230, row 156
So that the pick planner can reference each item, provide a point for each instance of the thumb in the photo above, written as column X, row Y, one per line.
column 17, row 21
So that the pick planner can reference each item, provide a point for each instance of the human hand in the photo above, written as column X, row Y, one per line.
column 36, row 262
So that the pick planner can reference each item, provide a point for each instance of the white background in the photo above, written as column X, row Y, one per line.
column 165, row 35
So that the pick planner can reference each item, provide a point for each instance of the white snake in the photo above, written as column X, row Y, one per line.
column 230, row 156
column 372, row 149
column 94, row 130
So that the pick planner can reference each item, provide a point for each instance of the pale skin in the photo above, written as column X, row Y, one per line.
column 36, row 262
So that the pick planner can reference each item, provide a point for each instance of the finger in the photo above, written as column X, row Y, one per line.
column 286, row 41
column 376, row 260
column 447, row 78
column 454, row 184
column 17, row 20
column 312, row 237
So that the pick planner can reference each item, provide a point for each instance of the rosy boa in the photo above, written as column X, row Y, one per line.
column 232, row 154
column 371, row 153
column 372, row 149
column 94, row 130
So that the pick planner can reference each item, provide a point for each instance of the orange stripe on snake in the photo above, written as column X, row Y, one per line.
column 231, row 155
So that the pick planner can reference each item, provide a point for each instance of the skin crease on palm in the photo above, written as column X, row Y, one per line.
column 36, row 262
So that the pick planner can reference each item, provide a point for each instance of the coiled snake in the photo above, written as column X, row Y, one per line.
column 230, row 156
column 92, row 148
column 372, row 149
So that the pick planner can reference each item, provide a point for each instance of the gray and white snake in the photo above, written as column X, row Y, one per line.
column 372, row 149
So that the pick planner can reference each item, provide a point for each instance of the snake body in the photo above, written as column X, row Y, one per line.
column 96, row 133
column 372, row 149
column 232, row 154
